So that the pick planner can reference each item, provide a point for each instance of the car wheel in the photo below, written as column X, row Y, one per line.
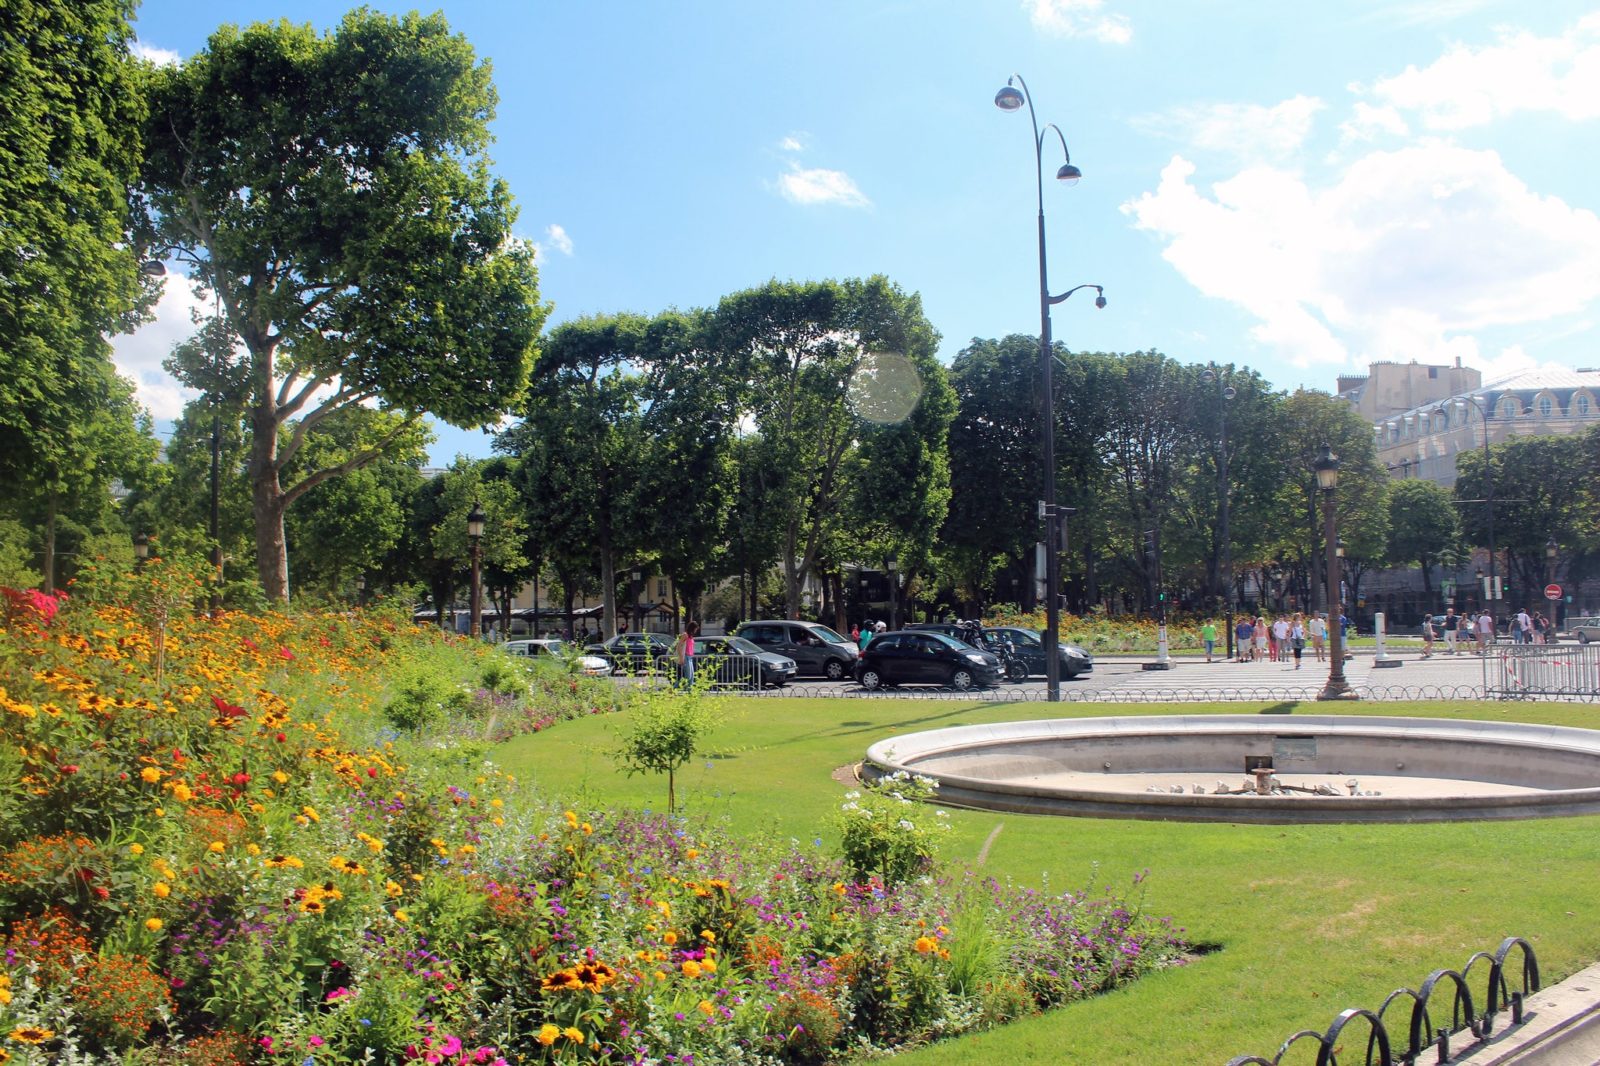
column 961, row 678
column 871, row 680
column 1583, row 638
column 834, row 669
column 1016, row 671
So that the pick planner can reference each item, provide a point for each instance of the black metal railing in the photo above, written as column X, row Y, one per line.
column 1420, row 1029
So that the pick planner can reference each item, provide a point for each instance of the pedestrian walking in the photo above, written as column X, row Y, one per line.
column 1208, row 634
column 1319, row 637
column 1524, row 625
column 1260, row 635
column 1297, row 637
column 1280, row 640
column 1243, row 637
column 1451, row 625
column 1427, row 636
column 1483, row 630
column 683, row 654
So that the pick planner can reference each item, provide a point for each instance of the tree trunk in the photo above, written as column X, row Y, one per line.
column 49, row 584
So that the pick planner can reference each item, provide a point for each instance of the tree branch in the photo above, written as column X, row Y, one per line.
column 355, row 462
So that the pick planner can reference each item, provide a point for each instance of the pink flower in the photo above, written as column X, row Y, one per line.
column 316, row 1041
column 338, row 994
column 451, row 1045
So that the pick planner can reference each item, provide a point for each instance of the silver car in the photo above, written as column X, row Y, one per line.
column 1585, row 629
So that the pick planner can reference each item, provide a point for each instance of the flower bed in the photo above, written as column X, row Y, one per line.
column 222, row 843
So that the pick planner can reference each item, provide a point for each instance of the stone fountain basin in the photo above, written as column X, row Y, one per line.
column 1425, row 769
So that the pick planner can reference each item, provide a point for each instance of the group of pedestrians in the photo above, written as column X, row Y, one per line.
column 1283, row 639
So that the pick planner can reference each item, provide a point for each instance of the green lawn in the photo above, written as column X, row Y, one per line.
column 1304, row 920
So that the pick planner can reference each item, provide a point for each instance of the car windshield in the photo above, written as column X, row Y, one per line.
column 827, row 634
column 738, row 646
column 1022, row 638
column 958, row 645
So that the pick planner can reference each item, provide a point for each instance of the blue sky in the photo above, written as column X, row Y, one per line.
column 1294, row 187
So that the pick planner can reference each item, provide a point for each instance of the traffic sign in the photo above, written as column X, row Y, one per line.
column 1552, row 592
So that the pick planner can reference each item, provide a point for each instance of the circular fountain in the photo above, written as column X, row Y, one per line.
column 1256, row 768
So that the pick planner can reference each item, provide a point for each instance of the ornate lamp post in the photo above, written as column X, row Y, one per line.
column 475, row 520
column 1327, row 468
column 891, row 566
column 141, row 548
column 1227, row 393
column 1012, row 99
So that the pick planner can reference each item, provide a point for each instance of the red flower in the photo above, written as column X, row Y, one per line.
column 282, row 739
column 372, row 771
column 70, row 768
column 226, row 709
column 286, row 654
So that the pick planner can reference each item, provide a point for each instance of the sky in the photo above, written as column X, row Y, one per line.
column 1297, row 188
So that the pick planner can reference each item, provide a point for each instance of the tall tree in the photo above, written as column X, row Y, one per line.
column 1538, row 485
column 70, row 109
column 334, row 193
column 1423, row 527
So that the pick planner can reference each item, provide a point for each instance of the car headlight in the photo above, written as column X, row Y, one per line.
column 976, row 658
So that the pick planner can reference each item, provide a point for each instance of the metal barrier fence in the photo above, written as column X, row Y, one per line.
column 1140, row 694
column 1419, row 1030
column 1531, row 671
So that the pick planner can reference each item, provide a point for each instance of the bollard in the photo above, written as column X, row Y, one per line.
column 1384, row 658
column 1516, row 1008
column 1444, row 1045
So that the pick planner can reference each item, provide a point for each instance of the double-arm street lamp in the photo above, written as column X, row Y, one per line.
column 1226, row 393
column 1492, row 593
column 1013, row 99
column 475, row 520
column 1327, row 468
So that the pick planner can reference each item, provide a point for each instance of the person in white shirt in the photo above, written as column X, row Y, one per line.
column 1485, row 630
column 1280, row 638
column 1524, row 627
column 1319, row 637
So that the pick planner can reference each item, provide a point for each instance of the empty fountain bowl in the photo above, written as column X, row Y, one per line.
column 1378, row 769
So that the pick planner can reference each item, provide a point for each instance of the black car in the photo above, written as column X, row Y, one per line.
column 909, row 657
column 736, row 661
column 633, row 653
column 1027, row 645
column 816, row 650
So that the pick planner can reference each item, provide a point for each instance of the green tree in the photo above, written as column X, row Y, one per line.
column 1539, row 483
column 333, row 193
column 665, row 729
column 1423, row 527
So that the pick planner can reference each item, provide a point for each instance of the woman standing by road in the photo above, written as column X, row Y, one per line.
column 1319, row 636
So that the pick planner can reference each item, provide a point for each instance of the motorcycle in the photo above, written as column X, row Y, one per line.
column 1000, row 646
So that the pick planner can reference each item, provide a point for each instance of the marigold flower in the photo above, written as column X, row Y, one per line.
column 217, row 846
column 153, row 924
column 706, row 1008
column 161, row 889
column 926, row 944
column 150, row 774
column 574, row 1035
column 401, row 916
column 135, row 849
column 548, row 1033
column 670, row 937
column 708, row 936
column 691, row 968
column 708, row 965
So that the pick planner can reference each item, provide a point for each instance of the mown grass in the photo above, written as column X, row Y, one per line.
column 1299, row 922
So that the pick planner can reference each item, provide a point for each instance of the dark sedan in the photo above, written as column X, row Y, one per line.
column 633, row 653
column 736, row 661
column 925, row 658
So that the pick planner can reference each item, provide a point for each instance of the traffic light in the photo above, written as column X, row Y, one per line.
column 1150, row 545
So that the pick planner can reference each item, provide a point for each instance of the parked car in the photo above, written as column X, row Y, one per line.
column 912, row 657
column 560, row 651
column 1585, row 629
column 816, row 650
column 1026, row 644
column 632, row 653
column 736, row 661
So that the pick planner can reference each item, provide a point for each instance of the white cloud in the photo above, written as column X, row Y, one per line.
column 817, row 186
column 138, row 355
column 1404, row 257
column 1079, row 18
column 558, row 238
column 161, row 57
column 1249, row 131
column 792, row 143
column 1368, row 123
column 1469, row 86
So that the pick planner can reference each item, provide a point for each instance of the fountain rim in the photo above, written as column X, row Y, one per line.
column 901, row 753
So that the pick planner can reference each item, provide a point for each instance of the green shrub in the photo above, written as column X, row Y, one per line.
column 887, row 830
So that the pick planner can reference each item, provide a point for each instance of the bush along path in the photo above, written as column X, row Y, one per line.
column 277, row 839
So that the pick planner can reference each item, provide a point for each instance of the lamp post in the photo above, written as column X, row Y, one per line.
column 1327, row 468
column 891, row 566
column 1227, row 393
column 361, row 590
column 1551, row 551
column 1492, row 592
column 1012, row 99
column 141, row 548
column 475, row 520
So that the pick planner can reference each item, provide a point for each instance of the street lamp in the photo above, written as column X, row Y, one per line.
column 141, row 548
column 1012, row 99
column 635, row 590
column 1492, row 592
column 1327, row 468
column 475, row 520
column 891, row 566
column 1227, row 393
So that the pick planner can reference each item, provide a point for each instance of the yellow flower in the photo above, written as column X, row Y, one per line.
column 310, row 813
column 706, row 1008
column 574, row 1035
column 31, row 1034
column 218, row 846
column 691, row 968
column 692, row 853
column 252, row 849
column 135, row 849
column 497, row 803
column 670, row 937
column 401, row 916
column 548, row 1033
column 153, row 924
column 161, row 889
column 280, row 777
column 182, row 793
column 587, row 828
column 161, row 812
column 392, row 889
column 708, row 936
column 150, row 775
column 708, row 966
column 926, row 944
